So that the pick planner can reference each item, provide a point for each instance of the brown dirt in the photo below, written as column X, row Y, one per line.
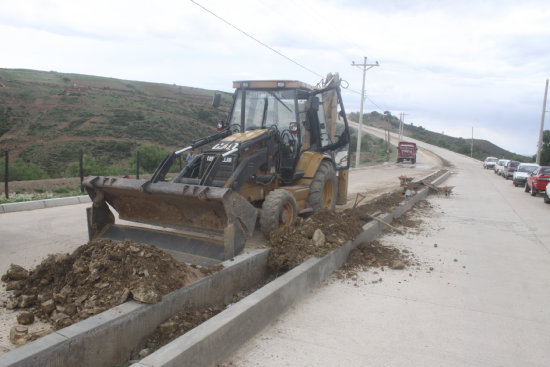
column 101, row 274
column 374, row 254
column 178, row 325
column 291, row 246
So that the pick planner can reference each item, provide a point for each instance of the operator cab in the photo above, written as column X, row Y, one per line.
column 296, row 113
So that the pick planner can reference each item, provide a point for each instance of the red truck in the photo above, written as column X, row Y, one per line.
column 406, row 151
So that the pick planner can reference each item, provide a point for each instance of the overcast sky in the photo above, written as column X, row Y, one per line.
column 449, row 65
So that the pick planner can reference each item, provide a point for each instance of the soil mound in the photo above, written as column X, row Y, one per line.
column 321, row 233
column 314, row 236
column 101, row 274
column 374, row 254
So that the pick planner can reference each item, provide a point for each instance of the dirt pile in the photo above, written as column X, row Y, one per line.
column 374, row 254
column 101, row 274
column 314, row 236
column 321, row 233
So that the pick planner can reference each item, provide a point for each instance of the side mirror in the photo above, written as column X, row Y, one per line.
column 216, row 100
column 221, row 125
column 293, row 128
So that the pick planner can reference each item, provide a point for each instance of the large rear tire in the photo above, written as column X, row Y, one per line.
column 278, row 210
column 322, row 193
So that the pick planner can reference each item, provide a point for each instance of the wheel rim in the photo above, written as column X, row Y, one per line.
column 287, row 213
column 328, row 194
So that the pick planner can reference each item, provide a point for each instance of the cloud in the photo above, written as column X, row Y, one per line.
column 448, row 64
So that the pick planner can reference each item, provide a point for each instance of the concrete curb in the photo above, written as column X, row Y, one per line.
column 43, row 204
column 214, row 340
column 107, row 339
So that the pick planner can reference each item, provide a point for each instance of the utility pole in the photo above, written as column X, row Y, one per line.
column 472, row 145
column 539, row 145
column 365, row 67
column 401, row 122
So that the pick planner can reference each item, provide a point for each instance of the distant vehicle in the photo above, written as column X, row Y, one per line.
column 499, row 167
column 524, row 170
column 490, row 162
column 406, row 151
column 509, row 169
column 537, row 181
column 547, row 194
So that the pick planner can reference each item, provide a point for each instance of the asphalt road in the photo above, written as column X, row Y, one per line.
column 485, row 302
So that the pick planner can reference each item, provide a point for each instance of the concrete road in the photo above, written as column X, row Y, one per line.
column 29, row 236
column 485, row 302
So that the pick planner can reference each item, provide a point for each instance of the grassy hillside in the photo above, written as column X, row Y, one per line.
column 482, row 148
column 46, row 117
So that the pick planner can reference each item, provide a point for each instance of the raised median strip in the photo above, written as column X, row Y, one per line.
column 43, row 204
column 108, row 338
column 214, row 340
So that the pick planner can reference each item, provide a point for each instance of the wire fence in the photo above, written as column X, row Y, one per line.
column 12, row 170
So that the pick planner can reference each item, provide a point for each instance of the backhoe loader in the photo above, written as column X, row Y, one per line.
column 283, row 151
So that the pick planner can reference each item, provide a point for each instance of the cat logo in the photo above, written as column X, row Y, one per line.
column 226, row 145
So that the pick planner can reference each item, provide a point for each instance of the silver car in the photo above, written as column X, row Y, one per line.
column 520, row 176
column 499, row 167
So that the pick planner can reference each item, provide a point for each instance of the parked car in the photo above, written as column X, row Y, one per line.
column 524, row 170
column 499, row 167
column 537, row 181
column 497, row 164
column 547, row 194
column 509, row 169
column 490, row 162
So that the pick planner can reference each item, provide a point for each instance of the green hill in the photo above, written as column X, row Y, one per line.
column 46, row 117
column 481, row 148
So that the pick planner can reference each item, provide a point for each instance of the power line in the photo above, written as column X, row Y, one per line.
column 257, row 40
column 280, row 53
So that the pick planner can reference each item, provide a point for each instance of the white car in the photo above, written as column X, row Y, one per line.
column 499, row 167
column 524, row 170
column 489, row 162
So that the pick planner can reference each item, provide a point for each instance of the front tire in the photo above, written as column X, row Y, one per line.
column 278, row 211
column 526, row 187
column 322, row 192
column 533, row 191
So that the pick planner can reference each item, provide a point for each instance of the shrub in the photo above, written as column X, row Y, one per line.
column 22, row 171
column 150, row 157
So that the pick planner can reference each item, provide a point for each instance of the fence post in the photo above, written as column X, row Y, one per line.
column 6, row 177
column 81, row 164
column 137, row 165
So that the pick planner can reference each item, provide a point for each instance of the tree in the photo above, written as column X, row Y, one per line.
column 150, row 157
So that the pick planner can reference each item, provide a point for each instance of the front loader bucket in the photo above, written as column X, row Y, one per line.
column 200, row 223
